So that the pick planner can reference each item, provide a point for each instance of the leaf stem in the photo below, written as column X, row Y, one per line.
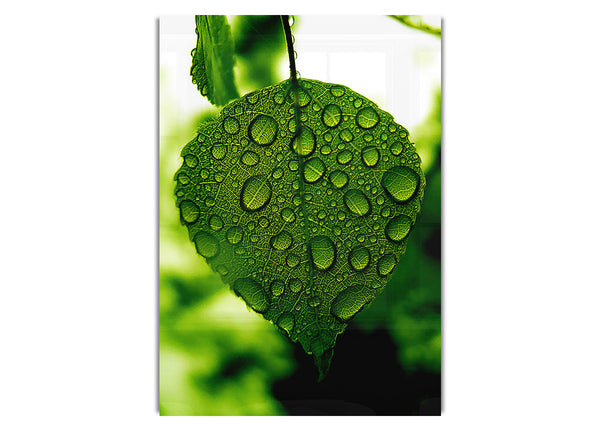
column 285, row 21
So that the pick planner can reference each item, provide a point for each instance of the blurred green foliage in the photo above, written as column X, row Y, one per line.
column 217, row 357
column 259, row 46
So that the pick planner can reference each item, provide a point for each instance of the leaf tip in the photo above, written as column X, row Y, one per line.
column 323, row 362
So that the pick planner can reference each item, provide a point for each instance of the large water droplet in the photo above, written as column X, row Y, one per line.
column 337, row 91
column 281, row 241
column 346, row 135
column 277, row 173
column 332, row 115
column 349, row 302
column 295, row 285
column 339, row 179
column 357, row 203
column 370, row 156
column 400, row 182
column 215, row 222
column 367, row 118
column 235, row 235
column 359, row 258
column 386, row 264
column 256, row 193
column 263, row 130
column 264, row 222
column 325, row 150
column 219, row 151
column 396, row 148
column 253, row 293
column 288, row 215
column 314, row 169
column 292, row 125
column 303, row 98
column 303, row 143
column 277, row 287
column 398, row 227
column 292, row 260
column 222, row 270
column 286, row 322
column 344, row 157
column 189, row 211
column 206, row 244
column 279, row 98
column 183, row 178
column 231, row 125
column 322, row 252
column 250, row 158
column 190, row 160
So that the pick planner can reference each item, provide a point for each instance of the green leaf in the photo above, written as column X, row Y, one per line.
column 305, row 224
column 212, row 59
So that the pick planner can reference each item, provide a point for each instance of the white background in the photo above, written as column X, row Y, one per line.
column 78, row 231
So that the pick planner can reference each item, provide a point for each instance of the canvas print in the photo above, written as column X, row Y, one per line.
column 300, row 215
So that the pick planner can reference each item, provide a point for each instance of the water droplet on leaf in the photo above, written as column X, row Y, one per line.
column 189, row 211
column 263, row 130
column 281, row 241
column 286, row 322
column 349, row 302
column 344, row 157
column 215, row 222
column 219, row 151
column 367, row 118
column 250, row 158
column 190, row 160
column 396, row 148
column 357, row 203
column 303, row 144
column 253, row 293
column 295, row 285
column 288, row 215
column 346, row 135
column 292, row 260
column 370, row 156
column 386, row 264
column 206, row 244
column 398, row 227
column 339, row 179
column 337, row 91
column 314, row 169
column 322, row 252
column 277, row 287
column 256, row 193
column 359, row 258
column 231, row 125
column 400, row 182
column 235, row 235
column 331, row 116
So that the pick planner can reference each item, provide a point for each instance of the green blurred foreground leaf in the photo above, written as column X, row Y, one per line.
column 305, row 224
column 212, row 59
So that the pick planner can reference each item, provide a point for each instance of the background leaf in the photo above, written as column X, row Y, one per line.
column 259, row 45
column 305, row 224
column 212, row 59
